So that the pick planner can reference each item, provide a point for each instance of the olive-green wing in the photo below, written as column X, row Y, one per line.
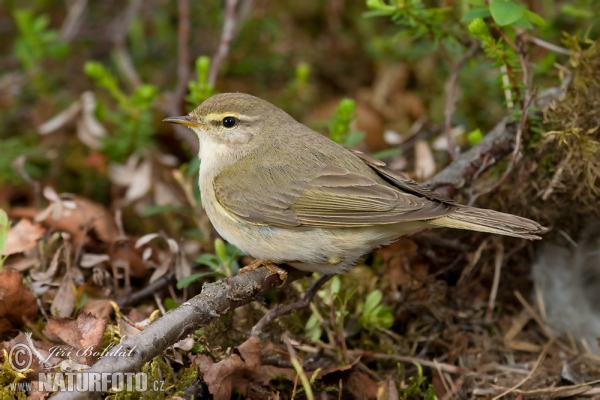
column 329, row 196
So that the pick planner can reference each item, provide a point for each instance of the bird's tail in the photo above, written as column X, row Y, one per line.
column 481, row 220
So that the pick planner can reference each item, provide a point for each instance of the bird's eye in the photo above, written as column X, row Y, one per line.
column 229, row 122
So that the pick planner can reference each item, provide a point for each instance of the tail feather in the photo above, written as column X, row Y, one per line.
column 481, row 220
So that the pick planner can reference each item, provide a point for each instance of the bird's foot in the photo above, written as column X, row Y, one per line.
column 274, row 268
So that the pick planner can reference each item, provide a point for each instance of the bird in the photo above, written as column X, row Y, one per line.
column 286, row 194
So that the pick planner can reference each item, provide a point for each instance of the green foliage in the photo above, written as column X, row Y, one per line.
column 414, row 389
column 475, row 137
column 133, row 128
column 223, row 262
column 375, row 315
column 585, row 9
column 415, row 18
column 200, row 89
column 36, row 43
column 4, row 227
column 339, row 125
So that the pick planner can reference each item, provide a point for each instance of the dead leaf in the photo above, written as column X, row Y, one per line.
column 84, row 333
column 64, row 301
column 41, row 353
column 135, row 175
column 361, row 386
column 99, row 308
column 17, row 303
column 85, row 220
column 22, row 237
column 233, row 371
column 387, row 390
column 424, row 162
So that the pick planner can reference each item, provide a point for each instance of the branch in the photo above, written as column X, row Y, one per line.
column 226, row 38
column 496, row 144
column 216, row 299
column 450, row 94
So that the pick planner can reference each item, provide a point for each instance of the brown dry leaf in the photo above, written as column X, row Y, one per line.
column 424, row 161
column 64, row 301
column 22, row 237
column 403, row 265
column 76, row 217
column 17, row 303
column 41, row 352
column 136, row 175
column 20, row 263
column 361, row 386
column 233, row 371
column 126, row 329
column 83, row 333
column 387, row 390
column 99, row 308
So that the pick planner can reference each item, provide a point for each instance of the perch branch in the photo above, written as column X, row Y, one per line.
column 216, row 299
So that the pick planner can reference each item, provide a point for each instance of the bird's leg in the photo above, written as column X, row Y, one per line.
column 274, row 268
column 280, row 310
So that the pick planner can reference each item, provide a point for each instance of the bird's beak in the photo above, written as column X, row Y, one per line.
column 184, row 120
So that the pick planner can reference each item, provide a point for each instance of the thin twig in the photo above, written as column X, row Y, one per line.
column 496, row 283
column 518, row 140
column 119, row 33
column 453, row 369
column 72, row 23
column 450, row 94
column 280, row 310
column 533, row 370
column 183, row 54
column 226, row 38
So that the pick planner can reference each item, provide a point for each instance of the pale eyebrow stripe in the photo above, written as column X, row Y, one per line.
column 220, row 116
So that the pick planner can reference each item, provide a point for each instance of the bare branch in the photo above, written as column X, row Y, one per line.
column 450, row 101
column 226, row 38
column 215, row 300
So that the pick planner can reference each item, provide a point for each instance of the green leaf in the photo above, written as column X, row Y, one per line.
column 523, row 23
column 209, row 260
column 380, row 155
column 372, row 301
column 4, row 226
column 475, row 137
column 221, row 250
column 188, row 280
column 574, row 11
column 505, row 12
column 354, row 138
column 479, row 12
column 170, row 304
column 153, row 210
column 534, row 18
column 336, row 284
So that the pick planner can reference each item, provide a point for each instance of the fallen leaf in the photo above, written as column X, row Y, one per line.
column 17, row 303
column 22, row 237
column 64, row 301
column 387, row 390
column 38, row 355
column 99, row 308
column 424, row 162
column 84, row 333
column 233, row 371
column 85, row 220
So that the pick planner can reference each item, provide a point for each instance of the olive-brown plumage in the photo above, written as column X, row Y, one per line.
column 284, row 193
